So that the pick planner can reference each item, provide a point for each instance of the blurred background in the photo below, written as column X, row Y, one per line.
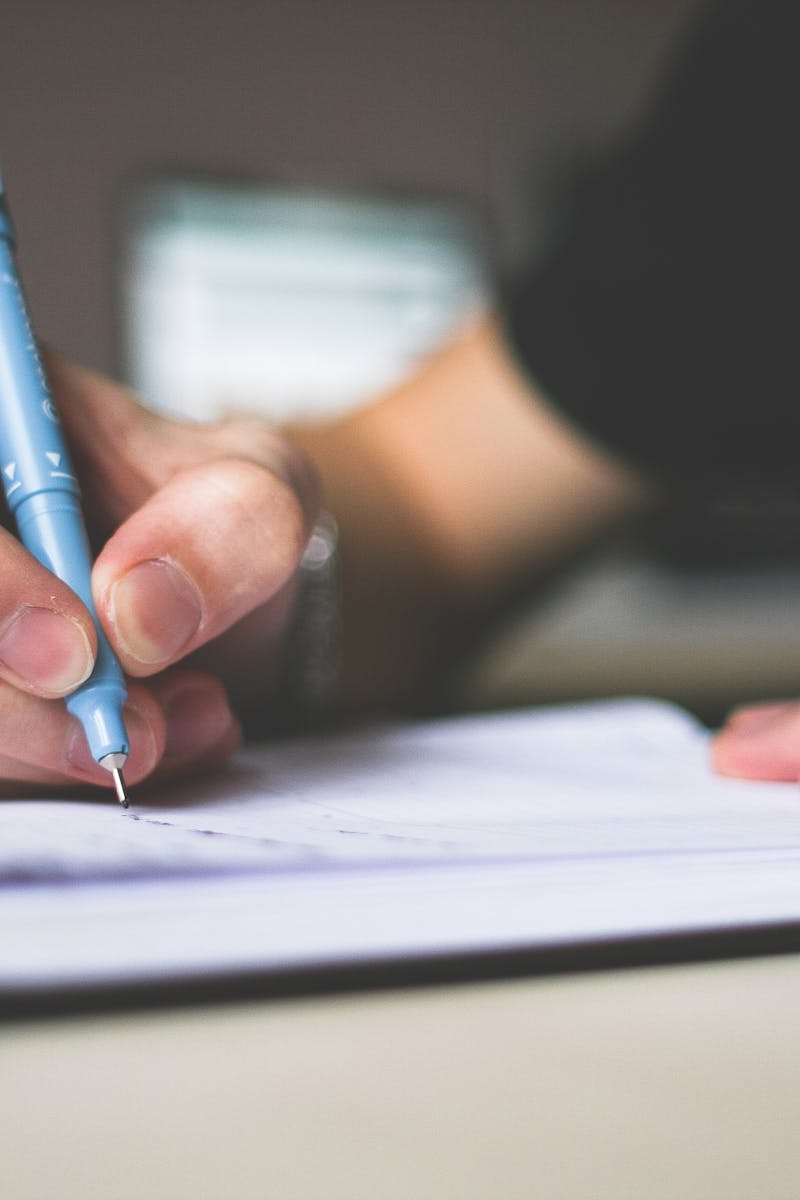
column 483, row 100
column 201, row 190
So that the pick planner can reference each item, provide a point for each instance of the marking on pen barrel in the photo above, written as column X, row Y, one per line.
column 10, row 470
column 48, row 408
column 54, row 457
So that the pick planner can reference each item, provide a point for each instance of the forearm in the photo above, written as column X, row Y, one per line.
column 448, row 492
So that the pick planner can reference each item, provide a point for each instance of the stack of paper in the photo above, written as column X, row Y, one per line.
column 466, row 836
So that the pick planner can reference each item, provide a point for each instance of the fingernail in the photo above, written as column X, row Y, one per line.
column 46, row 650
column 156, row 611
column 197, row 717
column 143, row 744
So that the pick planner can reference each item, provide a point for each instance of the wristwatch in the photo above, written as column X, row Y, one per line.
column 313, row 651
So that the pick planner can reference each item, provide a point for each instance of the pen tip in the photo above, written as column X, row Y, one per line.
column 119, row 784
column 114, row 763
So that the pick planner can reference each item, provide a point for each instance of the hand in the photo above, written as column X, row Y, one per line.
column 760, row 741
column 201, row 529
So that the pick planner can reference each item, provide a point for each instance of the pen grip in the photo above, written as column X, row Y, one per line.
column 51, row 526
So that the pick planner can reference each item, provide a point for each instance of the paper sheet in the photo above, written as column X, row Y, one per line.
column 474, row 833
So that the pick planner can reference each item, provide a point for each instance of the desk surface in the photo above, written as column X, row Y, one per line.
column 664, row 1082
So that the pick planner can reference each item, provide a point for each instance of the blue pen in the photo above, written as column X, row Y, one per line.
column 43, row 496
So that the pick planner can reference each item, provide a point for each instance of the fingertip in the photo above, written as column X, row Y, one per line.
column 752, row 717
column 760, row 745
column 199, row 723
column 46, row 652
column 211, row 758
column 145, row 727
column 723, row 760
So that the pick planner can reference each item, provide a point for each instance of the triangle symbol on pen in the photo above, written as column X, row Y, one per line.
column 10, row 469
column 55, row 459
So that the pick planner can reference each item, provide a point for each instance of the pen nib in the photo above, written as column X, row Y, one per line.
column 119, row 784
column 114, row 763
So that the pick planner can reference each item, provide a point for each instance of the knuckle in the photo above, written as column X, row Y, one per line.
column 262, row 509
column 249, row 439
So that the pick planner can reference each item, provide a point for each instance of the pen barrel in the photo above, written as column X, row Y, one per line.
column 42, row 493
column 33, row 453
column 51, row 526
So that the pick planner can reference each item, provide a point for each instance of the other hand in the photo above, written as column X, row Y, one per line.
column 760, row 741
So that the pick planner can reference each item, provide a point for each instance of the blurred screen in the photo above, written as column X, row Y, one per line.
column 287, row 302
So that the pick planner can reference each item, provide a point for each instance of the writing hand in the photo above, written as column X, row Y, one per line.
column 201, row 529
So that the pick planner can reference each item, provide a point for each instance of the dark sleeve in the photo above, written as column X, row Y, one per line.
column 664, row 319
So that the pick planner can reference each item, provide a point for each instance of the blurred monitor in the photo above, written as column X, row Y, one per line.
column 287, row 302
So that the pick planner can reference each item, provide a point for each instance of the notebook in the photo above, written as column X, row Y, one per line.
column 404, row 844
